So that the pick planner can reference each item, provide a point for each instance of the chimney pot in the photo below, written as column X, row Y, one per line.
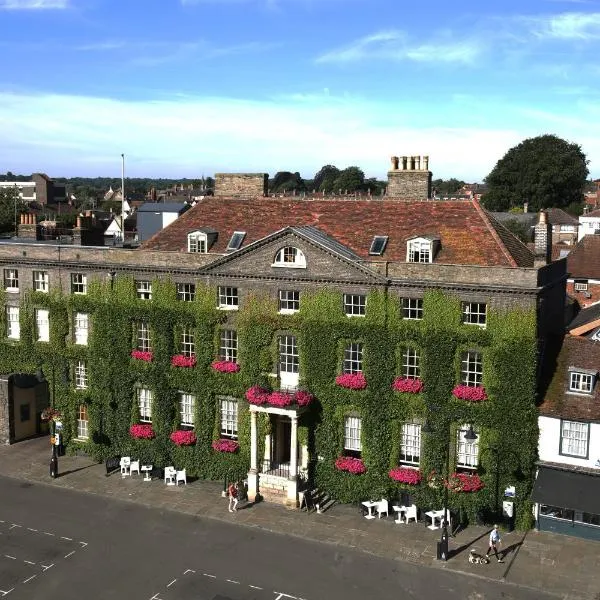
column 395, row 160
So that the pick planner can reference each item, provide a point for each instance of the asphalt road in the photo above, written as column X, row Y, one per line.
column 57, row 544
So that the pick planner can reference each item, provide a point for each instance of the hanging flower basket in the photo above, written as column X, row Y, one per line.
column 259, row 396
column 406, row 475
column 404, row 384
column 470, row 393
column 142, row 431
column 141, row 355
column 180, row 360
column 465, row 483
column 183, row 438
column 225, row 366
column 50, row 414
column 435, row 480
column 350, row 464
column 225, row 446
column 351, row 381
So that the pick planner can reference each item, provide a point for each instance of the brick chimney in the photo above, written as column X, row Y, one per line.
column 28, row 226
column 543, row 240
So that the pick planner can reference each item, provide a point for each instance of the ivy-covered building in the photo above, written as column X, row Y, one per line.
column 293, row 339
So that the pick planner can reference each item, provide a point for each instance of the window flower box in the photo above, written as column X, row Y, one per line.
column 180, row 360
column 404, row 384
column 465, row 482
column 258, row 396
column 224, row 445
column 183, row 438
column 470, row 393
column 225, row 366
column 141, row 355
column 351, row 465
column 351, row 381
column 405, row 475
column 50, row 414
column 142, row 431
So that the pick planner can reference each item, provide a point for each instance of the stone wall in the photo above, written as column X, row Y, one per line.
column 241, row 184
column 5, row 411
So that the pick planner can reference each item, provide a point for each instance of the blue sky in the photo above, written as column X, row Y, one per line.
column 192, row 87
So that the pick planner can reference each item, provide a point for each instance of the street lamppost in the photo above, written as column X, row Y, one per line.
column 469, row 437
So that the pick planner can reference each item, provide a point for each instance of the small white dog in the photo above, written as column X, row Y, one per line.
column 478, row 559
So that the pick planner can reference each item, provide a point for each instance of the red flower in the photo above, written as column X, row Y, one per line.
column 183, row 438
column 352, row 381
column 464, row 482
column 404, row 384
column 470, row 393
column 303, row 398
column 350, row 464
column 280, row 399
column 141, row 355
column 257, row 395
column 142, row 431
column 180, row 360
column 225, row 366
column 224, row 445
column 406, row 475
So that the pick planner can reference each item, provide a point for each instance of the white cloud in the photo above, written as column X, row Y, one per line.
column 567, row 26
column 395, row 45
column 33, row 4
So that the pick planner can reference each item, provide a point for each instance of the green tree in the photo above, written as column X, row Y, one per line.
column 10, row 205
column 285, row 181
column 351, row 179
column 522, row 231
column 545, row 171
column 324, row 179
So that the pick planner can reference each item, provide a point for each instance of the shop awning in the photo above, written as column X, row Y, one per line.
column 567, row 489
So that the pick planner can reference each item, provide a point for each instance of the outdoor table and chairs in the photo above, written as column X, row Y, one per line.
column 400, row 510
column 147, row 470
column 438, row 514
column 408, row 512
column 370, row 505
column 170, row 475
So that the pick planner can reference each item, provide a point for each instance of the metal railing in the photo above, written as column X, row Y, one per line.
column 270, row 467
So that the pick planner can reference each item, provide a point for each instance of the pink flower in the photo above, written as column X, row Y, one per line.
column 141, row 355
column 350, row 464
column 142, row 431
column 303, row 398
column 352, row 381
column 180, row 360
column 464, row 482
column 257, row 395
column 224, row 445
column 225, row 366
column 280, row 399
column 404, row 384
column 470, row 393
column 406, row 475
column 183, row 438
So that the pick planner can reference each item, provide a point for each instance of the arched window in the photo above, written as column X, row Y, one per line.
column 290, row 257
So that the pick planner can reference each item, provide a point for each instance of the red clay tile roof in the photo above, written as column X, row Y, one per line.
column 468, row 234
column 557, row 216
column 581, row 353
column 584, row 260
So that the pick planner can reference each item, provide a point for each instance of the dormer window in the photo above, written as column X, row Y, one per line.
column 290, row 257
column 197, row 242
column 236, row 240
column 420, row 250
column 581, row 381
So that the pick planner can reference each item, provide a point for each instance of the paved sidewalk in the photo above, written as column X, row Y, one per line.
column 567, row 567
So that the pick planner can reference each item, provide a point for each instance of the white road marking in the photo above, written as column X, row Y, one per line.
column 172, row 582
column 70, row 553
column 255, row 587
column 8, row 591
column 1, row 521
column 62, row 537
column 232, row 581
column 45, row 568
column 31, row 529
column 188, row 571
column 29, row 562
column 29, row 578
column 83, row 544
column 155, row 597
column 48, row 533
column 14, row 525
column 282, row 595
column 207, row 575
column 11, row 557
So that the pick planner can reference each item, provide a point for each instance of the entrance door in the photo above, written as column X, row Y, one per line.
column 283, row 439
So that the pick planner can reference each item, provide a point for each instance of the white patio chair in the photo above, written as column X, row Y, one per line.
column 411, row 513
column 125, row 463
column 181, row 476
column 134, row 466
column 170, row 474
column 383, row 506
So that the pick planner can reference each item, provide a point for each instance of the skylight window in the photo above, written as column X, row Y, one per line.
column 236, row 240
column 378, row 245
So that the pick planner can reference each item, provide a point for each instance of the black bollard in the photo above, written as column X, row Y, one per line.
column 54, row 464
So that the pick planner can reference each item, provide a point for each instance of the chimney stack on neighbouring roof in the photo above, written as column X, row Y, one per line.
column 27, row 226
column 543, row 240
column 409, row 178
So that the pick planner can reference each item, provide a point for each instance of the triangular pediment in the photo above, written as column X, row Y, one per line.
column 300, row 253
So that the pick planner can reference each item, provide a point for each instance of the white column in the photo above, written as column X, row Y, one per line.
column 292, row 487
column 253, row 473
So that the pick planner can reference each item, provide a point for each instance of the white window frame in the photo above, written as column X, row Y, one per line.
column 355, row 305
column 228, row 348
column 41, row 281
column 186, row 292
column 419, row 251
column 581, row 383
column 471, row 368
column 411, row 363
column 13, row 325
column 228, row 297
column 581, row 286
column 289, row 362
column 144, row 402
column 412, row 309
column 410, row 444
column 81, row 323
column 197, row 242
column 289, row 302
column 188, row 342
column 42, row 324
column 575, row 435
column 474, row 313
column 229, row 418
column 81, row 375
column 353, row 358
column 187, row 408
column 352, row 433
column 79, row 283
column 467, row 453
column 290, row 257
column 11, row 280
column 144, row 340
column 143, row 289
column 82, row 423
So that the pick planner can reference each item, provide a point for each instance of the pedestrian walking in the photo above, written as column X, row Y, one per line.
column 493, row 545
column 233, row 496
